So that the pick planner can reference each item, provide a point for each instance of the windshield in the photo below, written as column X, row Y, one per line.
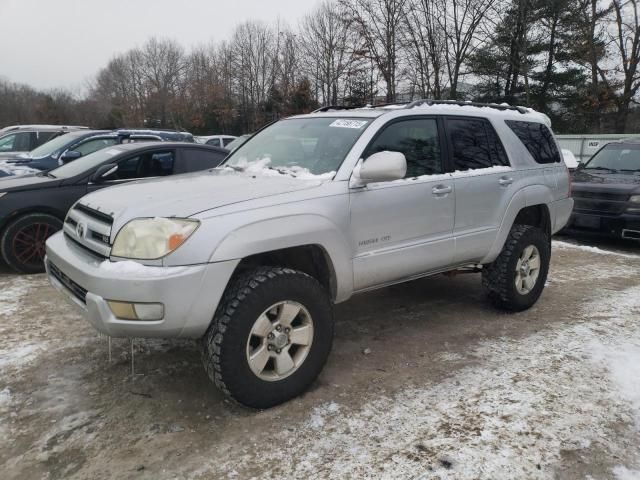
column 616, row 157
column 85, row 163
column 52, row 146
column 300, row 147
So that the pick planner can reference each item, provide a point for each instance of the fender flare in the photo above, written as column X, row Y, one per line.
column 279, row 233
column 526, row 197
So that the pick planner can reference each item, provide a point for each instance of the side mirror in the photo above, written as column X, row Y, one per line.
column 70, row 156
column 382, row 167
column 103, row 172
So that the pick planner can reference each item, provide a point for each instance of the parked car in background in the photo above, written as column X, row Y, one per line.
column 252, row 256
column 24, row 138
column 33, row 207
column 144, row 135
column 606, row 190
column 216, row 140
column 238, row 141
column 74, row 145
column 569, row 159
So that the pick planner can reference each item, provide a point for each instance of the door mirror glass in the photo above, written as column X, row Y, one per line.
column 103, row 172
column 70, row 156
column 383, row 167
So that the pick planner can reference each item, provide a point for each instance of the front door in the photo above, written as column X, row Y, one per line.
column 404, row 228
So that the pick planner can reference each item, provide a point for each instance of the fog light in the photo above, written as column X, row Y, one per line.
column 137, row 311
column 633, row 210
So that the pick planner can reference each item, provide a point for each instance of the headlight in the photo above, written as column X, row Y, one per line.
column 152, row 238
column 632, row 199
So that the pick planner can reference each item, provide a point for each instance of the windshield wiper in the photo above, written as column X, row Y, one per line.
column 281, row 171
column 610, row 170
column 237, row 169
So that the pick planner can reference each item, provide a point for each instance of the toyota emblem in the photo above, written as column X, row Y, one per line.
column 80, row 228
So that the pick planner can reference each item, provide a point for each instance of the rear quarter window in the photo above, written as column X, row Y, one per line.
column 538, row 140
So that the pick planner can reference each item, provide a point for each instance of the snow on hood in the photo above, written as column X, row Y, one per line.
column 9, row 169
column 263, row 167
column 187, row 195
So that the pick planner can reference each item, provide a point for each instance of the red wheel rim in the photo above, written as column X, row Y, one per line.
column 29, row 243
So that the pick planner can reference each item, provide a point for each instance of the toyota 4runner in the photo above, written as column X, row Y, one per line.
column 313, row 209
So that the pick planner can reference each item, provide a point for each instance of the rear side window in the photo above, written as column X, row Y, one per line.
column 227, row 141
column 43, row 137
column 195, row 159
column 474, row 144
column 538, row 140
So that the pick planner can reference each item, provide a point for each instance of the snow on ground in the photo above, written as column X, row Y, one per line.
column 512, row 417
column 559, row 244
column 12, row 295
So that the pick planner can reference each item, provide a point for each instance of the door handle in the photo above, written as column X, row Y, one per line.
column 504, row 181
column 441, row 190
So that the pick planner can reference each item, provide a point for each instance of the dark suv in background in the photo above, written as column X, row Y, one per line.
column 25, row 138
column 74, row 145
column 606, row 190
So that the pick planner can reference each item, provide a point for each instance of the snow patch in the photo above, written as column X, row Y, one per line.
column 18, row 356
column 262, row 167
column 11, row 296
column 572, row 246
column 623, row 473
column 5, row 397
column 12, row 169
column 320, row 414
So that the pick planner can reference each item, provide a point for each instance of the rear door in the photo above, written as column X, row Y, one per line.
column 484, row 184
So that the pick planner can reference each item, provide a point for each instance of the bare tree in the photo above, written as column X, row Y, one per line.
column 327, row 47
column 425, row 48
column 380, row 24
column 461, row 21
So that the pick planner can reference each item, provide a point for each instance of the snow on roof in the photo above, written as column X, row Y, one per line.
column 467, row 109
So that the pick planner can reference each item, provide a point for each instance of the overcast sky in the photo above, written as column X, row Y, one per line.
column 62, row 43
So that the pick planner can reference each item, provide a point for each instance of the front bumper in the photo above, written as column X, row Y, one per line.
column 621, row 226
column 190, row 294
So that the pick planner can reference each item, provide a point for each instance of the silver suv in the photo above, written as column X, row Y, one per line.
column 251, row 256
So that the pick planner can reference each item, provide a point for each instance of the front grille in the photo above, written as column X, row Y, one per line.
column 98, row 215
column 600, row 203
column 77, row 291
column 616, row 197
column 89, row 228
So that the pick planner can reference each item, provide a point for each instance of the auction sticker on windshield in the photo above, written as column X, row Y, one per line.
column 345, row 123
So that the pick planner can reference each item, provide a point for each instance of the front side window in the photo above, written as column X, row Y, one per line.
column 538, row 140
column 300, row 146
column 470, row 144
column 417, row 139
column 6, row 142
column 616, row 157
column 195, row 159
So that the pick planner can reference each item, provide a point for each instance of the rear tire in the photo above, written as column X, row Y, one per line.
column 22, row 244
column 270, row 337
column 515, row 280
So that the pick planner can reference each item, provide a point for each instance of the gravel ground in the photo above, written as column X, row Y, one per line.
column 426, row 381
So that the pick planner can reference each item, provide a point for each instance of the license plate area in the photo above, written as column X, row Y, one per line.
column 593, row 223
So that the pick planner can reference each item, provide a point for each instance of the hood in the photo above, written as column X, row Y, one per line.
column 602, row 181
column 27, row 182
column 187, row 195
column 24, row 156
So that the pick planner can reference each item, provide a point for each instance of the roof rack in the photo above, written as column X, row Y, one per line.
column 328, row 108
column 461, row 103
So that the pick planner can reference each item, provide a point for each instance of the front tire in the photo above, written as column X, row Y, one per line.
column 22, row 244
column 270, row 337
column 516, row 278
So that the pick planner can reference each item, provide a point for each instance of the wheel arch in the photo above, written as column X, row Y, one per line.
column 310, row 243
column 529, row 206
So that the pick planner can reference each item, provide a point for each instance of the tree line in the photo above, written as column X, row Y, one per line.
column 575, row 60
